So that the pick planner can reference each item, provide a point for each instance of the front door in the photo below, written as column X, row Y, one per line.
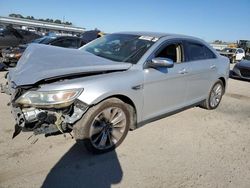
column 165, row 88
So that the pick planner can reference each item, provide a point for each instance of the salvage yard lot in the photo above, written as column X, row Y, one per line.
column 195, row 148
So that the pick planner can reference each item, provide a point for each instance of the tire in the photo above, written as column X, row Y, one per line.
column 95, row 126
column 208, row 103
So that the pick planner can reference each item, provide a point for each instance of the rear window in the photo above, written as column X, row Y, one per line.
column 198, row 52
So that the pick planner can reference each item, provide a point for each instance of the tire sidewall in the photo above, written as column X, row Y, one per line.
column 210, row 93
column 86, row 124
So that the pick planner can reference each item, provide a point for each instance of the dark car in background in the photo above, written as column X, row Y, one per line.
column 241, row 70
column 90, row 35
column 12, row 37
column 10, row 56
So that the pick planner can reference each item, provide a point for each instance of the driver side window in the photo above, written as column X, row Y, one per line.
column 171, row 51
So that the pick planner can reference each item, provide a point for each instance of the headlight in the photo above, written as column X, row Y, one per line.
column 49, row 99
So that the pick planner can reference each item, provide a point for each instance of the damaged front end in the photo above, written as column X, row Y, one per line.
column 46, row 112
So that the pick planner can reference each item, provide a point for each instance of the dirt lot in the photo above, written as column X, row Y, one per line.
column 195, row 148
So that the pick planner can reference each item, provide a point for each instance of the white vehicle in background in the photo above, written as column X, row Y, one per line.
column 240, row 54
column 234, row 54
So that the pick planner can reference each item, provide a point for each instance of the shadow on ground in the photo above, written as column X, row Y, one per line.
column 78, row 168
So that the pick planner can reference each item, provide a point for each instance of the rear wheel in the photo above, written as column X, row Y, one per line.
column 104, row 126
column 215, row 96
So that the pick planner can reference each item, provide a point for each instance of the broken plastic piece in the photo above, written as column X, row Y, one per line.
column 18, row 129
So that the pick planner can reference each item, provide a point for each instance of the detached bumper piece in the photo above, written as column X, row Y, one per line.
column 17, row 131
column 4, row 88
column 49, row 122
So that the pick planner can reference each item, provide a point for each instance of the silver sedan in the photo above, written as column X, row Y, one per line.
column 114, row 84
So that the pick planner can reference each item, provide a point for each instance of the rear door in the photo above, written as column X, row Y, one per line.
column 202, row 70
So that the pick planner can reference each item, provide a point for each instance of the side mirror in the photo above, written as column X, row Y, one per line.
column 161, row 62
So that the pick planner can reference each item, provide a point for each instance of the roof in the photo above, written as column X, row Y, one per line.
column 153, row 34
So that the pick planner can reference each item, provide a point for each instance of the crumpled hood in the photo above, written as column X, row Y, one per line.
column 244, row 64
column 41, row 62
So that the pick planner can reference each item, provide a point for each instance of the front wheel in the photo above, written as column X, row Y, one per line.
column 104, row 126
column 215, row 96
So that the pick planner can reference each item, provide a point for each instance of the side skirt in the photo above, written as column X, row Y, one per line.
column 142, row 123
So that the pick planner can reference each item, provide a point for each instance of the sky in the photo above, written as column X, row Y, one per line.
column 210, row 20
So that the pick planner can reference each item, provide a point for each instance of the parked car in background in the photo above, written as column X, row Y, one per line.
column 241, row 70
column 88, row 36
column 12, row 55
column 10, row 37
column 114, row 84
column 234, row 54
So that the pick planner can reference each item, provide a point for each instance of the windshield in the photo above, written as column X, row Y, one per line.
column 44, row 40
column 120, row 47
column 231, row 50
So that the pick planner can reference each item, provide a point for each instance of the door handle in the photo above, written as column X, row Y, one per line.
column 212, row 67
column 183, row 71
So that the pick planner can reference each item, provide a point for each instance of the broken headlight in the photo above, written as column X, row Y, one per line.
column 49, row 99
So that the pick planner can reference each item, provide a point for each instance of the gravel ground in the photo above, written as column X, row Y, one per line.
column 195, row 148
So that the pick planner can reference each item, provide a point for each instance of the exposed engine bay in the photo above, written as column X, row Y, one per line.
column 43, row 120
column 47, row 121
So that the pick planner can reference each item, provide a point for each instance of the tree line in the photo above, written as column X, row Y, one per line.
column 44, row 20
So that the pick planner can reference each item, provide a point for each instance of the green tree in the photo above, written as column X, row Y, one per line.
column 12, row 15
column 68, row 23
column 58, row 21
column 19, row 16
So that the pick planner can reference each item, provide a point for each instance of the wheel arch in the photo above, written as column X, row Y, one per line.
column 224, row 83
column 128, row 101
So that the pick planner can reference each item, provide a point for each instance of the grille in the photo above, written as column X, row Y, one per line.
column 245, row 72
